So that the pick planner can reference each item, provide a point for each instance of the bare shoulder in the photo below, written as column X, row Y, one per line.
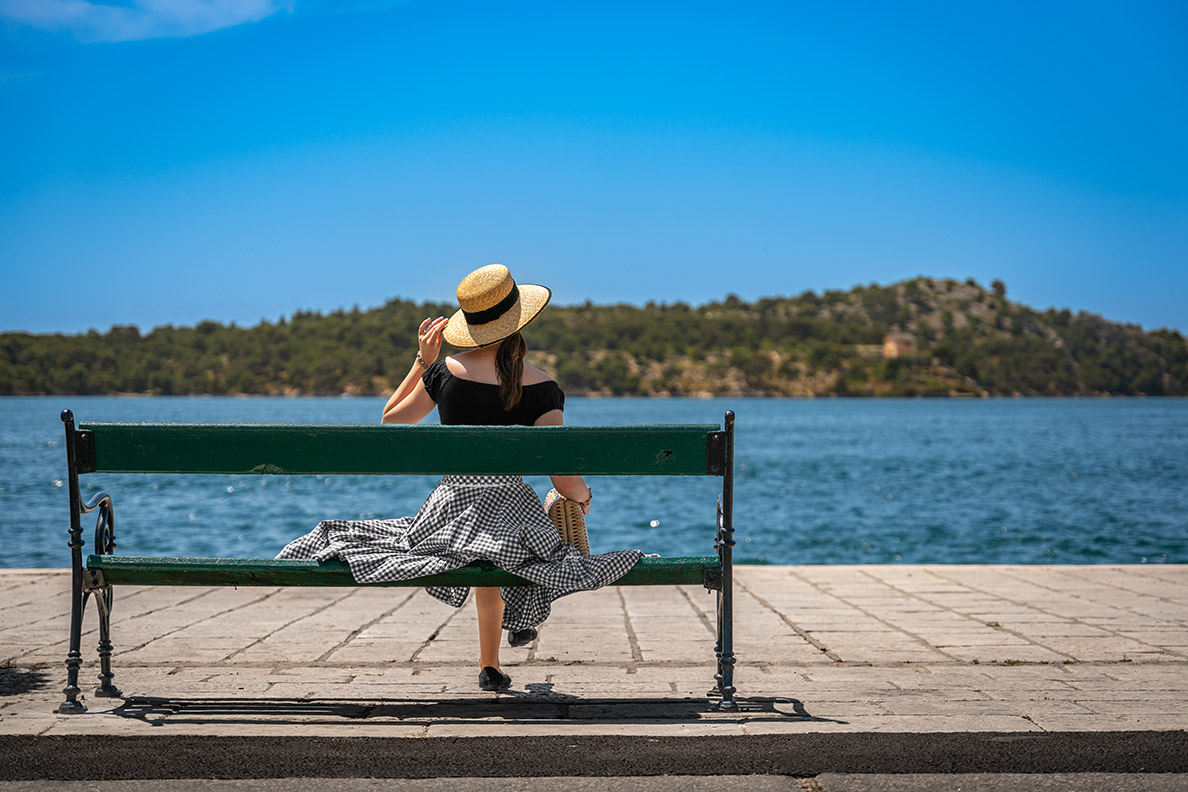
column 534, row 376
column 455, row 365
column 469, row 366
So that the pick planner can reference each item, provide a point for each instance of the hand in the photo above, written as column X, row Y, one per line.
column 429, row 338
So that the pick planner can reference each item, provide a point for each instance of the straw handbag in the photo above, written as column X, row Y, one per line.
column 567, row 516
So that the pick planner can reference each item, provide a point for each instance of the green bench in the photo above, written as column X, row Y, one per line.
column 289, row 449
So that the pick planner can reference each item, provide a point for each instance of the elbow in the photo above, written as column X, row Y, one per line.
column 572, row 487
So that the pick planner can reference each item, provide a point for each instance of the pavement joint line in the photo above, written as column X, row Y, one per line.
column 1130, row 610
column 297, row 665
column 65, row 614
column 1062, row 592
column 879, row 619
column 1031, row 720
column 761, row 667
column 1154, row 570
column 14, row 586
column 532, row 647
column 355, row 633
column 143, row 590
column 137, row 591
column 1154, row 597
column 17, row 607
column 992, row 626
column 1031, row 607
column 1115, row 633
column 632, row 639
column 804, row 634
column 705, row 622
column 209, row 677
column 206, row 592
column 262, row 598
column 1162, row 664
column 909, row 595
column 92, row 631
column 1111, row 584
column 1080, row 579
column 433, row 635
column 259, row 640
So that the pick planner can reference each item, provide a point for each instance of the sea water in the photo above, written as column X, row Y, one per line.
column 828, row 481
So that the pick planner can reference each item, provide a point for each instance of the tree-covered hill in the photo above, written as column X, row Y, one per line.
column 970, row 341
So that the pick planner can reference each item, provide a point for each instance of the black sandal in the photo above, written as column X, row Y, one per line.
column 491, row 678
column 521, row 637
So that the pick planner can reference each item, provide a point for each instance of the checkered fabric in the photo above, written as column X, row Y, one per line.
column 465, row 519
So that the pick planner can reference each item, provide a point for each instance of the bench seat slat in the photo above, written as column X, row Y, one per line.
column 183, row 571
column 383, row 450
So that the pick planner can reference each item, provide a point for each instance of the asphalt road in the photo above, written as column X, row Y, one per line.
column 97, row 757
column 979, row 782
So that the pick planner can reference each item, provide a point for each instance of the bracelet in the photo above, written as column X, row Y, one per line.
column 421, row 360
column 589, row 498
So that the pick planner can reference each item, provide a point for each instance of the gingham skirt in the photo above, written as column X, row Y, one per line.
column 465, row 519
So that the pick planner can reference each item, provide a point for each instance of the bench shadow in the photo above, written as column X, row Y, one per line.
column 538, row 703
column 16, row 681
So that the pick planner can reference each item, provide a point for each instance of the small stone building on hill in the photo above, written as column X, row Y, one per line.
column 899, row 345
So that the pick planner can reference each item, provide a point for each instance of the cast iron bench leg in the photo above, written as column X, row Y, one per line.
column 725, row 546
column 716, row 691
column 77, row 597
column 725, row 675
column 74, row 657
column 103, row 600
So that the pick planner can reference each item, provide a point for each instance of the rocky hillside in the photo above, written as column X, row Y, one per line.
column 956, row 338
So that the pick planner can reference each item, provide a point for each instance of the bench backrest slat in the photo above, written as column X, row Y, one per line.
column 375, row 449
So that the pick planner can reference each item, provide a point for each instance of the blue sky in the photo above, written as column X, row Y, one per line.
column 169, row 161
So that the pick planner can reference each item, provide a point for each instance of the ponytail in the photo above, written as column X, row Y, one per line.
column 509, row 366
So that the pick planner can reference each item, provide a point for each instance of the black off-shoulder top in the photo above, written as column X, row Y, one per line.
column 466, row 402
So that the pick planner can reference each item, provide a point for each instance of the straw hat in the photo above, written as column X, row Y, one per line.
column 494, row 306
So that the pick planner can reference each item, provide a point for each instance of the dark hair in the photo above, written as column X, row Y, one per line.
column 509, row 365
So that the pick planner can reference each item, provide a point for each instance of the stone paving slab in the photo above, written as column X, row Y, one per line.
column 821, row 649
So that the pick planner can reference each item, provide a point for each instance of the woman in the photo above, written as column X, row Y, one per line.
column 468, row 518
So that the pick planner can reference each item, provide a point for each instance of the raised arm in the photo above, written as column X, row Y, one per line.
column 572, row 487
column 409, row 404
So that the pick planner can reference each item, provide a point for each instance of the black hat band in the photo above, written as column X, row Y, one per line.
column 495, row 311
